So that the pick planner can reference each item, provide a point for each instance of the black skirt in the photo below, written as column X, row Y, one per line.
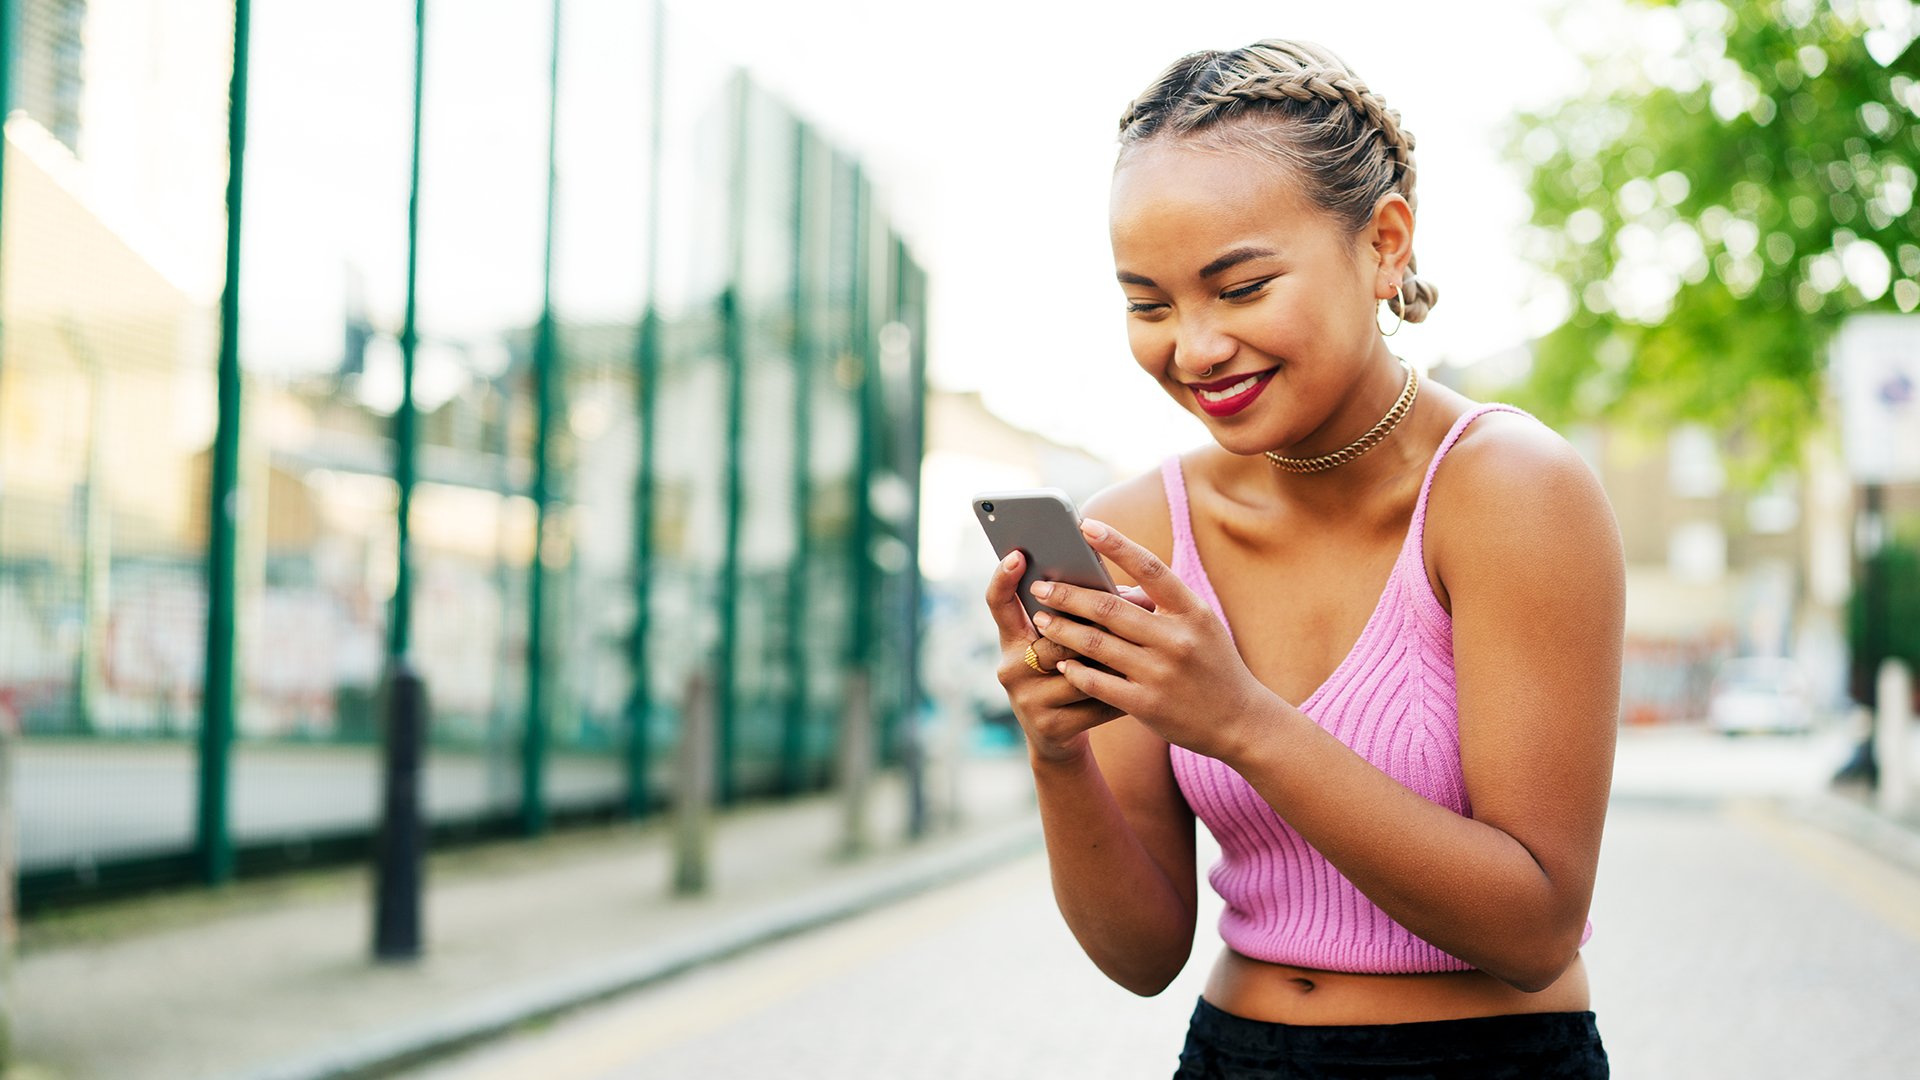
column 1533, row 1046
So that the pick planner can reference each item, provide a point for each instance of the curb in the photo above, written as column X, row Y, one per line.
column 380, row 1053
column 1890, row 839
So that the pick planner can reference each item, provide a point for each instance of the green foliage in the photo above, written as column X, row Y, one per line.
column 1716, row 207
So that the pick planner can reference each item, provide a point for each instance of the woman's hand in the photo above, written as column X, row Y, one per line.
column 1170, row 664
column 1055, row 714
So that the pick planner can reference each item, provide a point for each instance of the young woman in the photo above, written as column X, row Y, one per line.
column 1371, row 635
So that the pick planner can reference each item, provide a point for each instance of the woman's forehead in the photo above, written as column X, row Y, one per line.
column 1166, row 192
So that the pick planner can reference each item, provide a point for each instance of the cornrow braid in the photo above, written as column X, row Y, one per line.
column 1319, row 118
column 1322, row 86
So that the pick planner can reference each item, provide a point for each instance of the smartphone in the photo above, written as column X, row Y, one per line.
column 1042, row 523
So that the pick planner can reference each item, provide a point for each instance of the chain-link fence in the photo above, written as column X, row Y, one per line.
column 644, row 360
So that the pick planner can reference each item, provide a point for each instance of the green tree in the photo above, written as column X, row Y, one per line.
column 1716, row 204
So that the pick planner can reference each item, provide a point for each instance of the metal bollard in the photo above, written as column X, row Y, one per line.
column 693, row 790
column 856, row 765
column 401, row 846
column 913, row 762
column 1890, row 733
column 9, row 884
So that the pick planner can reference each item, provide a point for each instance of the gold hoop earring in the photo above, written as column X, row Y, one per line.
column 1400, row 311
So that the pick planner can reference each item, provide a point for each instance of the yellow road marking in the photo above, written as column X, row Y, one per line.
column 1887, row 891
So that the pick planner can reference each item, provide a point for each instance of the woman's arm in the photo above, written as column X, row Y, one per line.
column 1119, row 835
column 1529, row 555
column 1120, row 848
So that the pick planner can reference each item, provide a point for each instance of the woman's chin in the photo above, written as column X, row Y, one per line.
column 1241, row 442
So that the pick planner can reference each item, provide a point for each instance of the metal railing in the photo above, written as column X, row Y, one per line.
column 563, row 435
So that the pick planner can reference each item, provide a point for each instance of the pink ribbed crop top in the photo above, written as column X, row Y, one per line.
column 1392, row 700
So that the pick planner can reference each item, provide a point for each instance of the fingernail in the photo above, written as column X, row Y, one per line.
column 1041, row 619
column 1093, row 529
column 1042, row 589
column 1008, row 562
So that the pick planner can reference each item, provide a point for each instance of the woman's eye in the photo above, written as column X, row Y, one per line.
column 1243, row 291
column 1143, row 307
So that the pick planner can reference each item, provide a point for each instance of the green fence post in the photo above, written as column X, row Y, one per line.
column 546, row 359
column 793, row 721
column 400, row 624
column 8, row 875
column 882, row 444
column 734, row 351
column 647, row 361
column 910, row 310
column 6, row 107
column 860, row 540
column 214, row 837
column 400, row 841
column 858, row 727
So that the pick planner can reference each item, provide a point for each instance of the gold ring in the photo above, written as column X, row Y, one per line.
column 1033, row 661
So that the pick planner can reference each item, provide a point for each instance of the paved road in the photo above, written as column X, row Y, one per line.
column 1731, row 941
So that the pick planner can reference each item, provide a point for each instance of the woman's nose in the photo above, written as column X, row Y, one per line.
column 1199, row 348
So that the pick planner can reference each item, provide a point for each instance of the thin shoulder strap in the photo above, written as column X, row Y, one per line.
column 1186, row 555
column 1417, row 531
column 1175, row 482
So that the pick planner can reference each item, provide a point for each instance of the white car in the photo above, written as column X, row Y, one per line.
column 1760, row 693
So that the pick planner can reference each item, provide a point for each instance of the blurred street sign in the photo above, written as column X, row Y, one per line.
column 1876, row 364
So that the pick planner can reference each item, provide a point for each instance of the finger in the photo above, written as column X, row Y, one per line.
column 1081, row 714
column 1169, row 593
column 1098, row 607
column 1137, row 596
column 1045, row 653
column 1003, row 601
column 1093, row 642
column 1053, row 693
column 1104, row 687
column 1014, row 668
column 1049, row 653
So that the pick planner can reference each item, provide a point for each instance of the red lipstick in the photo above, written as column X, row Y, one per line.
column 1224, row 397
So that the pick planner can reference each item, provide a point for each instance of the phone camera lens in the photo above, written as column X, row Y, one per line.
column 988, row 507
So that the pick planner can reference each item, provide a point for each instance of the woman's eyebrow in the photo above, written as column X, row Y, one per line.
column 1232, row 259
column 1128, row 277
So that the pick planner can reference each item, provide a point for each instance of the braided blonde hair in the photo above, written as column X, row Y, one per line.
column 1299, row 103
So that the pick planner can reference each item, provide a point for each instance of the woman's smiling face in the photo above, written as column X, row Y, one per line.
column 1252, row 307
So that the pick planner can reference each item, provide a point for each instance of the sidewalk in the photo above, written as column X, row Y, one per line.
column 1690, row 764
column 272, row 979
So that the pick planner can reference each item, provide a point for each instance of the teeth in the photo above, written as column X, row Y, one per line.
column 1235, row 390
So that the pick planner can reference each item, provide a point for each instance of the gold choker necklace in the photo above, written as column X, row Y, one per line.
column 1364, row 443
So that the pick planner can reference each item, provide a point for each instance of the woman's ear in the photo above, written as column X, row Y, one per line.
column 1390, row 234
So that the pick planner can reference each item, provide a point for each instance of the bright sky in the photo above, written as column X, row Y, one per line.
column 990, row 126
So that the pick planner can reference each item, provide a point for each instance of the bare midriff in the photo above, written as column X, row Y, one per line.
column 1283, row 994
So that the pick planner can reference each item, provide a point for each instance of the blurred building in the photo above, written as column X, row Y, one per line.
column 103, row 368
column 49, row 79
column 970, row 450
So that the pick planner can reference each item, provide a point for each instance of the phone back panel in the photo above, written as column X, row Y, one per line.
column 1042, row 523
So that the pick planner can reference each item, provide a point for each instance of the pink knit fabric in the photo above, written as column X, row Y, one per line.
column 1393, row 701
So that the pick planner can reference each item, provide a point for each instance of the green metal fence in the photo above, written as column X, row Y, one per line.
column 543, row 350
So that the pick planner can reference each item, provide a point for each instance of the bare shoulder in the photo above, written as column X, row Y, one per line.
column 1137, row 507
column 1514, row 489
